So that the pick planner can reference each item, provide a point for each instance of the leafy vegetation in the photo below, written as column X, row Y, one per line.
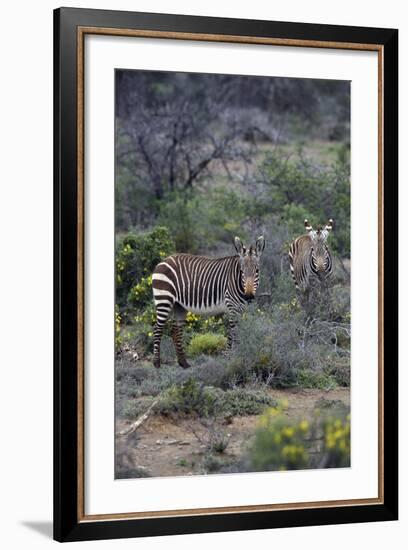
column 136, row 257
column 194, row 398
column 282, row 444
column 209, row 343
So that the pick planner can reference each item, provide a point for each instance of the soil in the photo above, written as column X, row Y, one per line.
column 165, row 446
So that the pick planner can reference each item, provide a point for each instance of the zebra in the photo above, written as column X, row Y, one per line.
column 203, row 285
column 310, row 259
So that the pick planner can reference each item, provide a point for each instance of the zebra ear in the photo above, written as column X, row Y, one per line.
column 329, row 225
column 308, row 227
column 239, row 247
column 260, row 245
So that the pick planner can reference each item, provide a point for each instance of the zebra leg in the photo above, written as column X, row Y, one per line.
column 231, row 333
column 308, row 306
column 232, row 322
column 162, row 314
column 177, row 335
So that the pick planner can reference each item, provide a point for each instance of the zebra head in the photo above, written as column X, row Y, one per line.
column 249, row 264
column 319, row 252
column 320, row 234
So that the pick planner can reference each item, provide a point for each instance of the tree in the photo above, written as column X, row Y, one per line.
column 170, row 134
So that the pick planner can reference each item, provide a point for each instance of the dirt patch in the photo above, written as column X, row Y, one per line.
column 302, row 402
column 165, row 446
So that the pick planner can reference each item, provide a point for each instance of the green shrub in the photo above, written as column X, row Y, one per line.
column 244, row 401
column 256, row 354
column 123, row 472
column 139, row 333
column 340, row 371
column 200, row 219
column 136, row 258
column 212, row 434
column 332, row 407
column 319, row 380
column 118, row 319
column 211, row 371
column 135, row 380
column 193, row 398
column 189, row 398
column 336, row 442
column 283, row 291
column 279, row 443
column 284, row 444
column 156, row 384
column 209, row 343
column 178, row 213
column 159, row 380
column 211, row 463
column 281, row 347
column 141, row 379
column 136, row 407
column 299, row 187
column 141, row 293
column 220, row 443
column 203, row 323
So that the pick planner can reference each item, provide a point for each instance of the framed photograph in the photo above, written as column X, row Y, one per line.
column 225, row 274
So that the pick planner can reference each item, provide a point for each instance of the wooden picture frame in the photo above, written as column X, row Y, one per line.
column 70, row 28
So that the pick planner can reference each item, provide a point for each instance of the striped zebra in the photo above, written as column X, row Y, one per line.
column 208, row 286
column 310, row 258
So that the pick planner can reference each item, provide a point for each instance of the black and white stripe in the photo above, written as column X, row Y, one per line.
column 203, row 285
column 310, row 259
